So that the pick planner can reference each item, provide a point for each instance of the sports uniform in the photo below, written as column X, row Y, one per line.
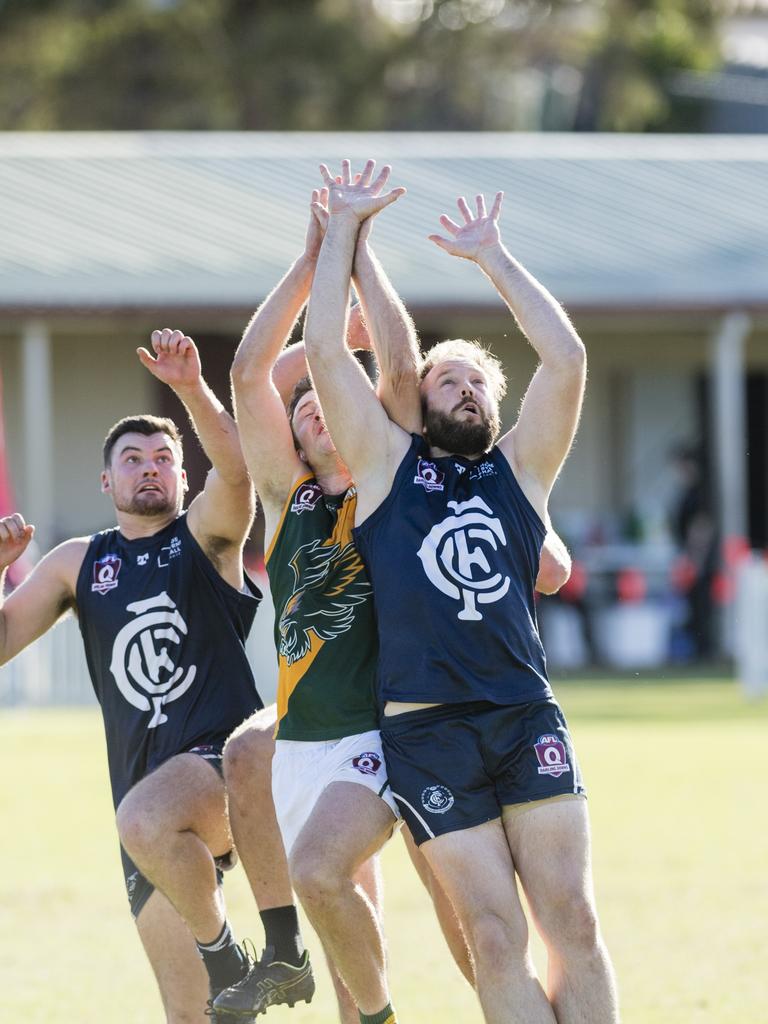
column 325, row 634
column 453, row 555
column 164, row 639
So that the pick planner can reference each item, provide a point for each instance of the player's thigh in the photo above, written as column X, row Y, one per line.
column 185, row 793
column 348, row 825
column 172, row 953
column 475, row 869
column 550, row 844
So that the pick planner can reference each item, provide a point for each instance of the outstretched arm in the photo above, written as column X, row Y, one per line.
column 366, row 439
column 392, row 333
column 394, row 340
column 47, row 593
column 224, row 509
column 539, row 442
column 264, row 373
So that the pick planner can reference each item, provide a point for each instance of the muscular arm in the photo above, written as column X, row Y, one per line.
column 539, row 442
column 224, row 509
column 370, row 444
column 44, row 597
column 264, row 428
column 394, row 340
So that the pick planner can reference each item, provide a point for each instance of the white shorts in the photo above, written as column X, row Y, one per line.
column 301, row 770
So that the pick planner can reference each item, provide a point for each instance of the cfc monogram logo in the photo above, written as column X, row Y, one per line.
column 454, row 556
column 144, row 671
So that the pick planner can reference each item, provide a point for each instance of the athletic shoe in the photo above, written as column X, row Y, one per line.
column 268, row 983
column 248, row 954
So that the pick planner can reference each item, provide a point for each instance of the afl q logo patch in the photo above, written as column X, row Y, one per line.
column 142, row 665
column 368, row 763
column 437, row 799
column 455, row 556
column 553, row 759
column 305, row 499
column 105, row 572
column 429, row 476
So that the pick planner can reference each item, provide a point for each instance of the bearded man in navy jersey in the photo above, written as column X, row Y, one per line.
column 450, row 525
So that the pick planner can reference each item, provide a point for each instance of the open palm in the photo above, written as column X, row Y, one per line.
column 361, row 194
column 468, row 240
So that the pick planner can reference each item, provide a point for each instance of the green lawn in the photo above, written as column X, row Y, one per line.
column 677, row 779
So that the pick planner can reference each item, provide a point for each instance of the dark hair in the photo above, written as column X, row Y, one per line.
column 146, row 425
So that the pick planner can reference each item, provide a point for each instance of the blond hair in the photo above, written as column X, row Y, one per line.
column 470, row 351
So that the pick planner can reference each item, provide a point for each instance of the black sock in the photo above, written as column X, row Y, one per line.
column 223, row 960
column 281, row 932
column 385, row 1016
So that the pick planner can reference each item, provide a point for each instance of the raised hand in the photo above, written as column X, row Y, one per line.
column 176, row 361
column 15, row 536
column 476, row 235
column 318, row 222
column 359, row 196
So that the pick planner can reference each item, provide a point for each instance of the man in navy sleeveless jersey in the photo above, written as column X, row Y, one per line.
column 450, row 525
column 164, row 609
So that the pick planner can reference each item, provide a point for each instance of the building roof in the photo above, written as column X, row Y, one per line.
column 132, row 220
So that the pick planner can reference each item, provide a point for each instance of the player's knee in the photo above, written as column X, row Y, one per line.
column 137, row 829
column 572, row 925
column 248, row 757
column 494, row 940
column 313, row 877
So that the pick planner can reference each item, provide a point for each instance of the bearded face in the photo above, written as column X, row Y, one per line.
column 460, row 433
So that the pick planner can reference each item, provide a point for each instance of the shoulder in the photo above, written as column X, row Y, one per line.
column 62, row 565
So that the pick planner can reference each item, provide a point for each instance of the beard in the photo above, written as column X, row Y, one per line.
column 459, row 437
column 148, row 504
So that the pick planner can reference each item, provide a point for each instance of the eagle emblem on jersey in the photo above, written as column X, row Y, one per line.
column 326, row 590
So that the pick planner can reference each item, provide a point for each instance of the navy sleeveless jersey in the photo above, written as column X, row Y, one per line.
column 164, row 639
column 453, row 555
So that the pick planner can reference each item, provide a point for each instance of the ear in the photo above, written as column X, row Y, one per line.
column 184, row 481
column 301, row 455
column 106, row 487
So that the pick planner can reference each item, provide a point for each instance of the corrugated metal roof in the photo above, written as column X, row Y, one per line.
column 213, row 219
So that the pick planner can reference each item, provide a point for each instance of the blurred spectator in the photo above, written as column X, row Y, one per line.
column 693, row 528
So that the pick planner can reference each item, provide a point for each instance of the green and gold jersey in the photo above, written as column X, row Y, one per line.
column 325, row 630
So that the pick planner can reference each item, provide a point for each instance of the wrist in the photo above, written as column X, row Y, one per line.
column 492, row 256
column 190, row 392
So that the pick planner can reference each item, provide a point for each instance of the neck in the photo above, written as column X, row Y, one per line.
column 132, row 527
column 332, row 475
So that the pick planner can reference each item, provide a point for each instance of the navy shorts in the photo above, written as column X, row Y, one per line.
column 455, row 766
column 139, row 888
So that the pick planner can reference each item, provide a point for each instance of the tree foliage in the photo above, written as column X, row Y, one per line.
column 347, row 64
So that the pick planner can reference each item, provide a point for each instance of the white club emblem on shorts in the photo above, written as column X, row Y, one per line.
column 139, row 657
column 437, row 799
column 454, row 555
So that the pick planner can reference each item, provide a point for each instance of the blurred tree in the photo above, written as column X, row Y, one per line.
column 348, row 64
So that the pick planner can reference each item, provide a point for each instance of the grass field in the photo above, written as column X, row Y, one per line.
column 677, row 779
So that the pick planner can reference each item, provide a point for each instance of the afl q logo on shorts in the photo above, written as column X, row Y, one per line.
column 368, row 763
column 457, row 556
column 142, row 662
column 437, row 799
column 552, row 756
